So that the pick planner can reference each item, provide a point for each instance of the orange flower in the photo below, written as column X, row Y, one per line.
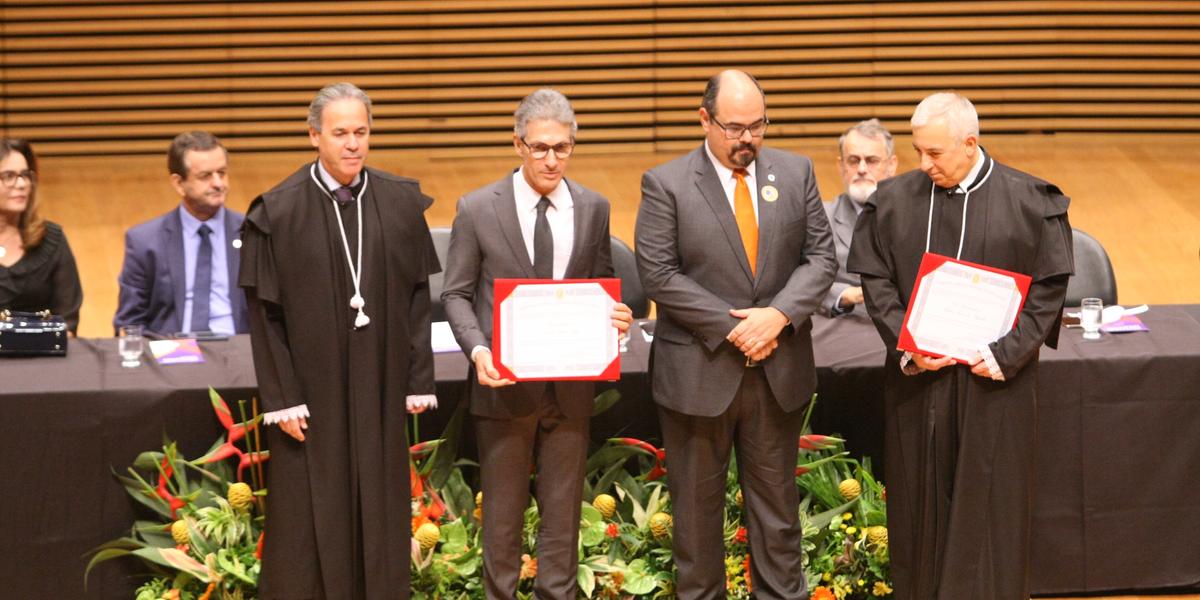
column 740, row 536
column 746, row 570
column 823, row 593
column 209, row 591
column 612, row 531
column 528, row 567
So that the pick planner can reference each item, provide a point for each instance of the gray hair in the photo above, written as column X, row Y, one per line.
column 871, row 129
column 332, row 93
column 546, row 103
column 709, row 101
column 958, row 112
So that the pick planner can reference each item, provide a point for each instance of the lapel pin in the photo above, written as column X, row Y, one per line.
column 237, row 244
column 771, row 177
column 770, row 193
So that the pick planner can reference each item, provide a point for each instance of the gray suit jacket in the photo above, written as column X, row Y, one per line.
column 153, row 282
column 693, row 265
column 486, row 244
column 842, row 218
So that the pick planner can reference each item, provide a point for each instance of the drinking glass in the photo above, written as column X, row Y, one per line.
column 130, row 345
column 1089, row 317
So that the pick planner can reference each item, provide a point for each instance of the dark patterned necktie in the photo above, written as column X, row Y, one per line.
column 543, row 243
column 202, row 283
column 344, row 195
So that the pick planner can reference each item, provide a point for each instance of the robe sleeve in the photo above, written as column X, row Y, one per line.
column 1039, row 320
column 421, row 380
column 67, row 295
column 277, row 383
column 870, row 259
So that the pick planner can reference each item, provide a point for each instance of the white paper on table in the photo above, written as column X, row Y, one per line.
column 442, row 337
column 557, row 330
column 960, row 308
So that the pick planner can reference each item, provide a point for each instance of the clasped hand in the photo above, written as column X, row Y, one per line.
column 757, row 334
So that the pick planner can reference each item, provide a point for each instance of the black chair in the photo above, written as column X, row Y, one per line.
column 441, row 243
column 632, row 294
column 1093, row 276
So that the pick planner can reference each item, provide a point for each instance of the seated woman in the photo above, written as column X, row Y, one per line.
column 37, row 269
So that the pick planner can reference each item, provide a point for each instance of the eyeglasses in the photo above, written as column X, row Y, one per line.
column 9, row 178
column 872, row 161
column 734, row 131
column 540, row 150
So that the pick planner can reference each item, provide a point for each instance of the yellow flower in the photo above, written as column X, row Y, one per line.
column 607, row 505
column 850, row 530
column 862, row 582
column 660, row 525
column 826, row 576
column 240, row 496
column 850, row 489
column 179, row 532
column 881, row 589
column 847, row 516
column 479, row 500
column 877, row 535
column 427, row 535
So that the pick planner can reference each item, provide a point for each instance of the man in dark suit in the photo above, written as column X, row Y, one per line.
column 532, row 223
column 866, row 156
column 734, row 247
column 193, row 248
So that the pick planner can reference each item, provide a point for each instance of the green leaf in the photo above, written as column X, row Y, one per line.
column 174, row 559
column 605, row 401
column 638, row 578
column 586, row 580
column 454, row 537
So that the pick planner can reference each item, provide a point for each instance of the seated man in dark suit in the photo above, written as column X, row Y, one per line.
column 181, row 268
column 866, row 156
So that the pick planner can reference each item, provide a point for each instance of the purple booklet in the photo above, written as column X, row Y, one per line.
column 178, row 351
column 1125, row 325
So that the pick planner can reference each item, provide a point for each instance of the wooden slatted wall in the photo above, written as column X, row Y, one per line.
column 88, row 77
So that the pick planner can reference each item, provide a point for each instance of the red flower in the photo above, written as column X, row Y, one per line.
column 612, row 531
column 740, row 536
column 818, row 442
column 822, row 593
column 258, row 548
column 801, row 470
column 746, row 570
column 658, row 454
column 172, row 502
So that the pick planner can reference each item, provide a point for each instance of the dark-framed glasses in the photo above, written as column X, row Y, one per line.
column 539, row 150
column 9, row 178
column 872, row 161
column 734, row 131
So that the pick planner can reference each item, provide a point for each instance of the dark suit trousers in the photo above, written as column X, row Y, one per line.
column 507, row 452
column 697, row 462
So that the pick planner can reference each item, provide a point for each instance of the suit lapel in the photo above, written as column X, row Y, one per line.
column 505, row 206
column 764, row 176
column 844, row 217
column 237, row 301
column 581, row 208
column 710, row 187
column 173, row 241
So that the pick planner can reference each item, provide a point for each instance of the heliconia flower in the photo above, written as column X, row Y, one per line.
column 258, row 548
column 172, row 502
column 801, row 470
column 659, row 455
column 235, row 431
column 421, row 449
column 248, row 459
column 815, row 441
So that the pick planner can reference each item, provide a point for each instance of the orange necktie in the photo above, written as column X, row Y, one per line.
column 743, row 213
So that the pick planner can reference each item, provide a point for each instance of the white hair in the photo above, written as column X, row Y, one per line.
column 546, row 103
column 332, row 93
column 954, row 108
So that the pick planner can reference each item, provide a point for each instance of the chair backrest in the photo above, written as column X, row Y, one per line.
column 1093, row 276
column 441, row 243
column 625, row 265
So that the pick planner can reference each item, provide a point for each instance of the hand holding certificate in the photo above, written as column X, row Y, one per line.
column 958, row 307
column 556, row 329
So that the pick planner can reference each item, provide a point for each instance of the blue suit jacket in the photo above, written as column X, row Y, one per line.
column 153, row 281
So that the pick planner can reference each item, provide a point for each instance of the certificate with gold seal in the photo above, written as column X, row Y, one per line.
column 957, row 307
column 560, row 329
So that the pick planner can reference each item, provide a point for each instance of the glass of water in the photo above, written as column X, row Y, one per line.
column 1089, row 317
column 130, row 345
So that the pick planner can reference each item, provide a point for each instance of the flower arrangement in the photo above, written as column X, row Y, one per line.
column 206, row 542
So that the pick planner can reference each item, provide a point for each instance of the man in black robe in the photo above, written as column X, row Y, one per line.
column 335, row 264
column 961, row 439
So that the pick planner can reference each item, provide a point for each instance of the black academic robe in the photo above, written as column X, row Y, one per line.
column 338, row 513
column 960, row 447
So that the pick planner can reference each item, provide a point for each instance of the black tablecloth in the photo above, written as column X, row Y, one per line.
column 1117, row 505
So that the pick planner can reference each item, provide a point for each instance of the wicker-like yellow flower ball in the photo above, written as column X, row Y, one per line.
column 607, row 505
column 427, row 535
column 179, row 532
column 240, row 496
column 850, row 489
column 660, row 525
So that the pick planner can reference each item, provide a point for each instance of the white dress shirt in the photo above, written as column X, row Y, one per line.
column 729, row 182
column 561, row 216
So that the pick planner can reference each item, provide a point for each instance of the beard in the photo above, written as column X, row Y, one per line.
column 859, row 191
column 743, row 154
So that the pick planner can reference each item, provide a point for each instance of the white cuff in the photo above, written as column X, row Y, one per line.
column 477, row 350
column 907, row 366
column 992, row 365
column 419, row 402
column 287, row 414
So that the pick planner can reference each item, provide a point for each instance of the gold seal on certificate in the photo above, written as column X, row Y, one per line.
column 556, row 329
column 958, row 307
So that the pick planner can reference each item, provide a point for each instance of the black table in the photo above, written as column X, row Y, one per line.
column 1117, row 500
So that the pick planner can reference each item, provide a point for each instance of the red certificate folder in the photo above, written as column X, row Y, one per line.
column 930, row 263
column 504, row 288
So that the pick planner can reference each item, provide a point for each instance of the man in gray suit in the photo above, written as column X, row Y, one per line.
column 734, row 247
column 866, row 156
column 192, row 248
column 532, row 223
